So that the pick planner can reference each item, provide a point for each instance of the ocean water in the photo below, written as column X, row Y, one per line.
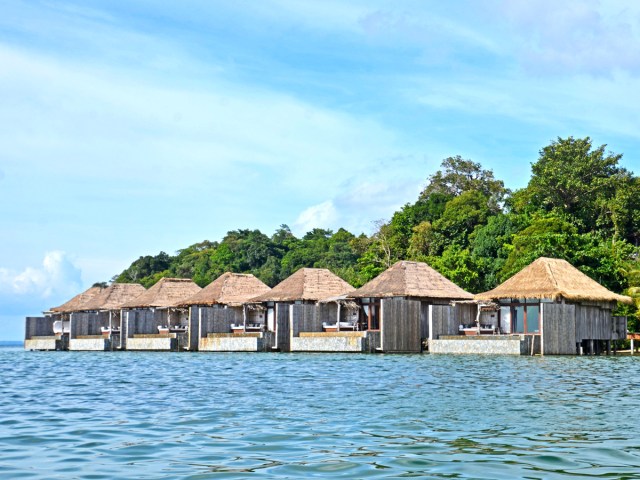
column 196, row 416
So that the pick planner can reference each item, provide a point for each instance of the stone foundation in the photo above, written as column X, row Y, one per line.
column 237, row 342
column 353, row 342
column 160, row 342
column 42, row 343
column 90, row 343
column 482, row 345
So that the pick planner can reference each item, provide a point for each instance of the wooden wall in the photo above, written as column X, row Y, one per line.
column 217, row 319
column 283, row 327
column 464, row 314
column 194, row 328
column 39, row 327
column 558, row 329
column 619, row 325
column 87, row 323
column 424, row 320
column 445, row 319
column 138, row 321
column 327, row 312
column 593, row 323
column 401, row 327
column 307, row 318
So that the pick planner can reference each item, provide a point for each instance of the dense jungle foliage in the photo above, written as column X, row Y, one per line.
column 579, row 204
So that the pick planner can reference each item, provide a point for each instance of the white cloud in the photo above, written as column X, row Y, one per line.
column 360, row 204
column 323, row 215
column 56, row 277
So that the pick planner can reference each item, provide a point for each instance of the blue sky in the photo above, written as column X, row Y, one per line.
column 127, row 128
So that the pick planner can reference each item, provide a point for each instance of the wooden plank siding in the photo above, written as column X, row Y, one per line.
column 441, row 319
column 306, row 318
column 87, row 323
column 326, row 312
column 401, row 325
column 217, row 319
column 558, row 329
column 194, row 332
column 424, row 320
column 593, row 323
column 143, row 322
column 619, row 325
column 283, row 322
column 463, row 314
column 135, row 322
column 39, row 327
column 445, row 319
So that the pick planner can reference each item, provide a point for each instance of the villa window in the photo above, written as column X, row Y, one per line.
column 523, row 316
column 370, row 314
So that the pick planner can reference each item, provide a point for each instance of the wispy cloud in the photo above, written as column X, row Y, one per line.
column 323, row 215
column 575, row 36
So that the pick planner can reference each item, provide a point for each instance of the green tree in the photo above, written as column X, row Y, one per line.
column 458, row 265
column 462, row 216
column 490, row 245
column 144, row 267
column 544, row 237
column 573, row 179
column 459, row 175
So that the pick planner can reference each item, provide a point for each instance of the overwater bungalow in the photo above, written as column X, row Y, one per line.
column 291, row 304
column 151, row 321
column 408, row 304
column 221, row 320
column 51, row 331
column 550, row 308
column 97, row 324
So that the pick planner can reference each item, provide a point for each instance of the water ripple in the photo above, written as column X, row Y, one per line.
column 198, row 416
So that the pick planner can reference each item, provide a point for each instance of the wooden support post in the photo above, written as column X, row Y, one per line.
column 591, row 347
column 632, row 346
column 608, row 347
column 244, row 317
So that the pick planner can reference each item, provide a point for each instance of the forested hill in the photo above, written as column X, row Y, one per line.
column 579, row 204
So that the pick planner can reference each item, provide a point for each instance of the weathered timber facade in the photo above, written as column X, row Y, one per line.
column 39, row 334
column 85, row 331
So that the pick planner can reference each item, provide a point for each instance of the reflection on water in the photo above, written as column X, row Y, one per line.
column 160, row 415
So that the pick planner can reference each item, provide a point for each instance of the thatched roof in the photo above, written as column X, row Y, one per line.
column 306, row 284
column 552, row 278
column 166, row 293
column 114, row 296
column 343, row 300
column 78, row 302
column 411, row 279
column 231, row 289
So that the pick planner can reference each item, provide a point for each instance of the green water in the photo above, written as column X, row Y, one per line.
column 160, row 415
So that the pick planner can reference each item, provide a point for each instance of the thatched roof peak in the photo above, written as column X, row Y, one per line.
column 311, row 284
column 166, row 293
column 552, row 278
column 77, row 303
column 114, row 296
column 231, row 289
column 411, row 279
